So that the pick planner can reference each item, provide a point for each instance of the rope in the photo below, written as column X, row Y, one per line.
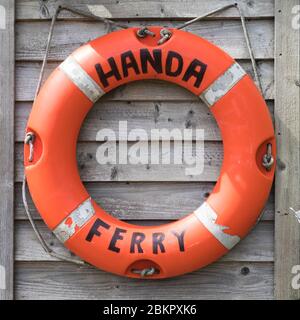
column 206, row 15
column 143, row 32
column 268, row 159
column 145, row 272
column 37, row 232
column 249, row 47
column 47, row 51
column 30, row 137
column 108, row 23
column 165, row 36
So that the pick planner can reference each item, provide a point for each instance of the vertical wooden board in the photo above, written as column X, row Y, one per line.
column 7, row 20
column 287, row 120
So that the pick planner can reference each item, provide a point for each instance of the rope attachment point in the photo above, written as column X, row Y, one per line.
column 144, row 32
column 165, row 36
column 268, row 159
column 145, row 272
column 29, row 139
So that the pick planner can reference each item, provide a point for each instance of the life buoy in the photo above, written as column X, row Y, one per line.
column 235, row 203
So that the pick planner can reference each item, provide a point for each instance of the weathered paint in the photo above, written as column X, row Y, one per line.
column 81, row 79
column 208, row 218
column 223, row 84
column 75, row 220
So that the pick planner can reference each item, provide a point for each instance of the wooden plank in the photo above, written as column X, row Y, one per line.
column 31, row 37
column 144, row 115
column 144, row 200
column 27, row 74
column 257, row 246
column 91, row 170
column 7, row 21
column 287, row 118
column 139, row 115
column 29, row 9
column 221, row 280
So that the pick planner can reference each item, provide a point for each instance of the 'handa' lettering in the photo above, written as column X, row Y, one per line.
column 172, row 66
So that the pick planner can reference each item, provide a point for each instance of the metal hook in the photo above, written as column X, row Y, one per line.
column 145, row 272
column 165, row 36
column 144, row 32
column 268, row 159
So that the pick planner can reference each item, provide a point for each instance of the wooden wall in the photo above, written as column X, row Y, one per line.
column 7, row 24
column 144, row 194
column 287, row 123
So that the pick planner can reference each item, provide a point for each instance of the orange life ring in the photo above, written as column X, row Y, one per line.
column 201, row 237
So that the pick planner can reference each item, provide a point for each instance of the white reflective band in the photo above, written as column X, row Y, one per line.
column 75, row 220
column 81, row 79
column 208, row 217
column 223, row 84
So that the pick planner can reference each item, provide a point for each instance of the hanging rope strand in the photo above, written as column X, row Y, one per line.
column 250, row 49
column 245, row 31
column 206, row 15
column 47, row 51
column 29, row 139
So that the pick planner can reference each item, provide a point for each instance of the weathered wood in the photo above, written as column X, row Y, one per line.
column 257, row 246
column 139, row 115
column 27, row 77
column 144, row 105
column 221, row 280
column 7, row 18
column 287, row 118
column 32, row 37
column 91, row 170
column 29, row 9
column 144, row 200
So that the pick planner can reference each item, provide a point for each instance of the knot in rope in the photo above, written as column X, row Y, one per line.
column 268, row 159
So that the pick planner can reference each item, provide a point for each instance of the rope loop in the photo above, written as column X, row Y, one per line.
column 144, row 32
column 29, row 139
column 165, row 36
column 268, row 159
column 145, row 272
